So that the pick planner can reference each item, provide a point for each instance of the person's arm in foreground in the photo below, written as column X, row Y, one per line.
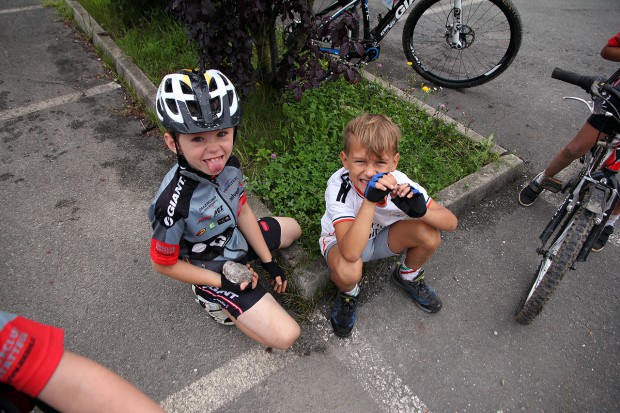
column 81, row 385
column 611, row 51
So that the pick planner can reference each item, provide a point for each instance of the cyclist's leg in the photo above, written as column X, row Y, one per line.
column 269, row 324
column 576, row 148
column 290, row 231
column 417, row 238
column 345, row 274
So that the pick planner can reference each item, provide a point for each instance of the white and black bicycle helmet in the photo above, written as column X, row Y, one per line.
column 194, row 102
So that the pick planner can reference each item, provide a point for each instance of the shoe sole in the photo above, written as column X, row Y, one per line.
column 527, row 205
column 531, row 203
column 214, row 310
column 340, row 334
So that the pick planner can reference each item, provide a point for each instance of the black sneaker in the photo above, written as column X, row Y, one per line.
column 424, row 296
column 213, row 309
column 343, row 314
column 602, row 239
column 529, row 193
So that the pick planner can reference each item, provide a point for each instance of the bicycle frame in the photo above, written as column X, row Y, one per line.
column 376, row 34
column 602, row 196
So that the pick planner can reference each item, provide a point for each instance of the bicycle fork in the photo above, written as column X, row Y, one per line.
column 453, row 30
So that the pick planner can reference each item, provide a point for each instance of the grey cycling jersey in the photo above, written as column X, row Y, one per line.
column 194, row 218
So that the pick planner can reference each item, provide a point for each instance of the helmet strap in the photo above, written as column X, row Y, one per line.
column 180, row 158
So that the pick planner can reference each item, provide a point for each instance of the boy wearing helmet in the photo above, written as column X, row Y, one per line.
column 200, row 216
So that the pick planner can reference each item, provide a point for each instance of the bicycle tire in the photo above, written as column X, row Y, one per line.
column 552, row 269
column 491, row 37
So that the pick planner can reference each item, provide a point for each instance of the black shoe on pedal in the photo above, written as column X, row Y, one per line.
column 529, row 193
column 600, row 243
column 343, row 314
column 421, row 294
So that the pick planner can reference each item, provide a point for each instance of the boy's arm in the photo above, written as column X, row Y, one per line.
column 80, row 384
column 352, row 236
column 611, row 51
column 248, row 224
column 189, row 273
column 440, row 217
column 192, row 274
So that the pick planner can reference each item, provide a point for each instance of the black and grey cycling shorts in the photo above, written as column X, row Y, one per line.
column 235, row 303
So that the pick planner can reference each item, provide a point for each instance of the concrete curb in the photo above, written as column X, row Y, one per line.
column 124, row 66
column 310, row 276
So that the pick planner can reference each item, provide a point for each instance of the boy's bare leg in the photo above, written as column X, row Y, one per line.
column 419, row 239
column 345, row 274
column 269, row 324
column 576, row 148
column 290, row 231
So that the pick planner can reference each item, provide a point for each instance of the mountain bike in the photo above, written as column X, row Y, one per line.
column 451, row 43
column 591, row 195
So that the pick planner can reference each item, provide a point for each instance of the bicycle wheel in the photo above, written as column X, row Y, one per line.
column 490, row 37
column 554, row 265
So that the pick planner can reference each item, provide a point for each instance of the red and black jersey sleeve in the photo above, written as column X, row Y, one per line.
column 29, row 353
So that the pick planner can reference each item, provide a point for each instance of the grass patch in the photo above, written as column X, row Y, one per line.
column 155, row 42
column 289, row 171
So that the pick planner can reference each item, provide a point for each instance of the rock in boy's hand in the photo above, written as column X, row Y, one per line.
column 374, row 194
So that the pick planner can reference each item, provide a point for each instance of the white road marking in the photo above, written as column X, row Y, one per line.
column 19, row 9
column 374, row 374
column 228, row 382
column 240, row 375
column 61, row 100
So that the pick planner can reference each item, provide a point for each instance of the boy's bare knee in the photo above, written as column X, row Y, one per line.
column 286, row 337
column 430, row 238
column 346, row 272
column 290, row 231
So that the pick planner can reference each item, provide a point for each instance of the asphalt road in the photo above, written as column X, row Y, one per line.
column 77, row 174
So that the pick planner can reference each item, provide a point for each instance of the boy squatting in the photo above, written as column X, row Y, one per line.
column 374, row 211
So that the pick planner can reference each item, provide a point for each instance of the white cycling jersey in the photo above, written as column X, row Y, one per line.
column 343, row 201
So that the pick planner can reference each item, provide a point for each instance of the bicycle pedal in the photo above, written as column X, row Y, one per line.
column 552, row 184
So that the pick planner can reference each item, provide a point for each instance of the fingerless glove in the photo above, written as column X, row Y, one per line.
column 274, row 269
column 233, row 287
column 372, row 193
column 415, row 206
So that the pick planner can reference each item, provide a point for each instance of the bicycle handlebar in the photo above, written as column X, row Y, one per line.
column 591, row 84
column 584, row 82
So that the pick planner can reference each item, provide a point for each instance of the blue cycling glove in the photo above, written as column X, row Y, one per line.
column 372, row 193
column 415, row 206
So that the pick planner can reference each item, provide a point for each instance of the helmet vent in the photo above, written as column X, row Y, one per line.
column 168, row 86
column 193, row 108
column 212, row 85
column 186, row 89
column 172, row 106
column 215, row 104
